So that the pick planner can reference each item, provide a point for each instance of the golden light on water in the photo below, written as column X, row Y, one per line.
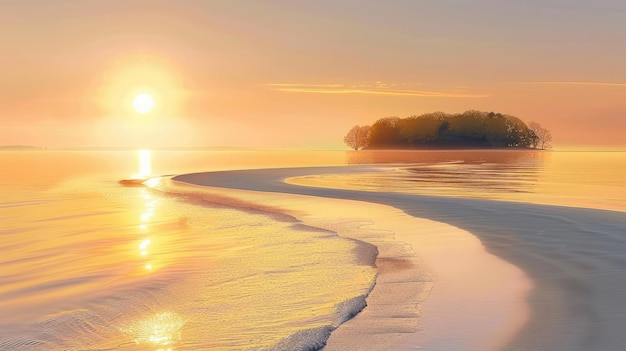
column 161, row 329
column 153, row 182
column 144, row 245
column 146, row 216
column 145, row 164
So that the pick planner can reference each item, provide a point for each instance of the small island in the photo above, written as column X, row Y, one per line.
column 439, row 130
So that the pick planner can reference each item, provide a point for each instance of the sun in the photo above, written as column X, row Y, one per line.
column 143, row 103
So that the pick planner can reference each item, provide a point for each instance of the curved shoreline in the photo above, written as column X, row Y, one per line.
column 412, row 252
column 403, row 282
column 574, row 256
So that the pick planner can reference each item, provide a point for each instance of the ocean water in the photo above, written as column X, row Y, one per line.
column 87, row 264
column 588, row 179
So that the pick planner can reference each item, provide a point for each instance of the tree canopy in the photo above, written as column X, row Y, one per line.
column 540, row 136
column 358, row 137
column 441, row 130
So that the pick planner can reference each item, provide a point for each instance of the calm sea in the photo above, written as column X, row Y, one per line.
column 592, row 179
column 87, row 264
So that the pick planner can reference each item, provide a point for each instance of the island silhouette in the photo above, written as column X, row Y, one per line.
column 470, row 129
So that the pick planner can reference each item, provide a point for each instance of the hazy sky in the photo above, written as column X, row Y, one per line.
column 301, row 73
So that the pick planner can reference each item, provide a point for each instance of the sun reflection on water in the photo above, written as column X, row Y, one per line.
column 145, row 164
column 144, row 218
column 143, row 247
column 161, row 329
column 153, row 182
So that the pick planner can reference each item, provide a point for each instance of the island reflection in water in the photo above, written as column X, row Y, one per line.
column 471, row 173
column 580, row 179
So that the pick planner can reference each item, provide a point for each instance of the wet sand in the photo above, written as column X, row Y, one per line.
column 480, row 299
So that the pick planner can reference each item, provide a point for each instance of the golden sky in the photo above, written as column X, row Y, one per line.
column 299, row 74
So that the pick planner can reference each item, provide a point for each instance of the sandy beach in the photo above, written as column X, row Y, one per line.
column 484, row 275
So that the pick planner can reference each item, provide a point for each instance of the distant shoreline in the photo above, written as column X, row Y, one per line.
column 20, row 148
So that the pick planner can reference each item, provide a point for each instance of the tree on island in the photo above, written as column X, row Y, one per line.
column 358, row 137
column 541, row 137
column 471, row 128
column 385, row 132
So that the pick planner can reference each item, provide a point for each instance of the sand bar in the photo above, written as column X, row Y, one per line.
column 573, row 256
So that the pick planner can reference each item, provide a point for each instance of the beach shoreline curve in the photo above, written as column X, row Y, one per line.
column 434, row 317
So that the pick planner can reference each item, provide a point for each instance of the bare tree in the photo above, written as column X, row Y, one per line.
column 358, row 137
column 540, row 136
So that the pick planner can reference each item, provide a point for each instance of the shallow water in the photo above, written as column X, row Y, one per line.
column 572, row 255
column 577, row 179
column 87, row 264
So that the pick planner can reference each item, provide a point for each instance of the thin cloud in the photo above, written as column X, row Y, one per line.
column 305, row 85
column 381, row 90
column 598, row 84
